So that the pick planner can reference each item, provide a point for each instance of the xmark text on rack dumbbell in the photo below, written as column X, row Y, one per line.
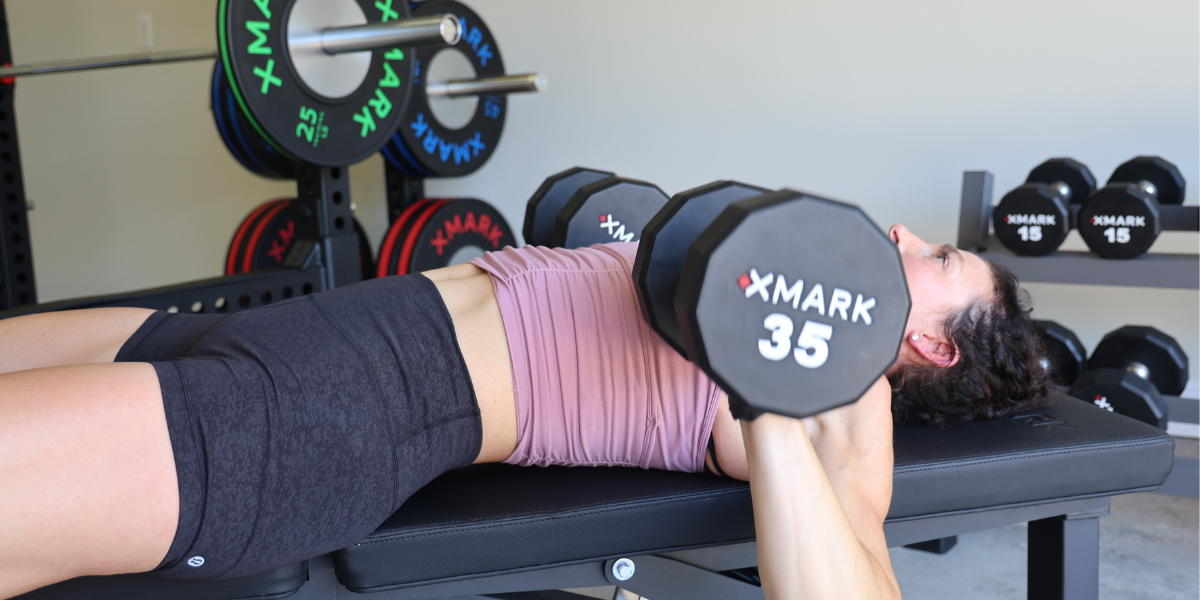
column 812, row 345
column 1031, row 225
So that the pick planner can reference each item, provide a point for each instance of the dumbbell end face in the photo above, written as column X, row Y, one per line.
column 1124, row 393
column 1067, row 357
column 1154, row 351
column 769, row 310
column 664, row 245
column 614, row 209
column 550, row 198
column 1164, row 177
column 1120, row 221
column 1078, row 179
column 1031, row 220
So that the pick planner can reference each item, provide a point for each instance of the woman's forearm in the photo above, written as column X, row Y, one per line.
column 807, row 545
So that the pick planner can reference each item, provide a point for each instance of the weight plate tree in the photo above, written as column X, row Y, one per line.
column 436, row 233
column 771, row 309
column 335, row 115
column 266, row 236
column 425, row 147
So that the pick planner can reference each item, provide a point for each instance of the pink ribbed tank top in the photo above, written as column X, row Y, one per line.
column 594, row 385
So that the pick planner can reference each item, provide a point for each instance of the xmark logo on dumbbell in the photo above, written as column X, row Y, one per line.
column 1030, row 228
column 616, row 229
column 1102, row 402
column 812, row 344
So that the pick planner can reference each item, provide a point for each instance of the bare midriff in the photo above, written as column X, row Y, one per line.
column 469, row 296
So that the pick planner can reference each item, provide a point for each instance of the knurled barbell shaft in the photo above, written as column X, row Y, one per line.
column 419, row 31
column 505, row 84
column 123, row 60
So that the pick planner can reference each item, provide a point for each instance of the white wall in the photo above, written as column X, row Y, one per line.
column 877, row 102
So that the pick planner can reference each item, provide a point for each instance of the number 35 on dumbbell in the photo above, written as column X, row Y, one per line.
column 792, row 303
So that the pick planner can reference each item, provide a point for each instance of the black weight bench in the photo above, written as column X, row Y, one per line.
column 515, row 533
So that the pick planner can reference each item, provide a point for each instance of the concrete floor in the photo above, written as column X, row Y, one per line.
column 1149, row 549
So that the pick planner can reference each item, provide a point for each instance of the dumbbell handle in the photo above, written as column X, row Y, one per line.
column 1174, row 218
column 505, row 84
column 436, row 29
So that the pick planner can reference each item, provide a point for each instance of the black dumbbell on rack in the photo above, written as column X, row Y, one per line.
column 1122, row 219
column 1066, row 357
column 1034, row 218
column 580, row 207
column 1129, row 371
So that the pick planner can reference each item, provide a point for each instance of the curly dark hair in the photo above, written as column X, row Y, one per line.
column 999, row 371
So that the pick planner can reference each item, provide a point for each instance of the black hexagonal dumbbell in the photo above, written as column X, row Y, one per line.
column 1034, row 218
column 613, row 209
column 1124, row 393
column 768, row 308
column 1122, row 219
column 1066, row 357
column 550, row 198
column 1147, row 352
column 1130, row 369
column 664, row 246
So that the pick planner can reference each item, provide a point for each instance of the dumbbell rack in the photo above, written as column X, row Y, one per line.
column 1177, row 271
column 1155, row 270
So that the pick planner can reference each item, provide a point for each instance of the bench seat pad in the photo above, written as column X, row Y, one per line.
column 491, row 519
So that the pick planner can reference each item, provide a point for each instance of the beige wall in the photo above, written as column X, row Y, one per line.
column 878, row 102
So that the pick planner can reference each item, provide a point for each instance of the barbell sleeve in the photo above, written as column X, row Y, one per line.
column 505, row 84
column 105, row 62
column 419, row 31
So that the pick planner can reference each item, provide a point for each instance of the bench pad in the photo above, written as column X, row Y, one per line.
column 491, row 519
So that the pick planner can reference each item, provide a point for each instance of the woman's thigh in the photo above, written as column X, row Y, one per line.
column 69, row 337
column 87, row 474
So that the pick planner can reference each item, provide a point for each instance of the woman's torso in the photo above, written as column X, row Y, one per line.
column 565, row 368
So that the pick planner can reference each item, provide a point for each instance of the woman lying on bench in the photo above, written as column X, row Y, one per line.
column 208, row 446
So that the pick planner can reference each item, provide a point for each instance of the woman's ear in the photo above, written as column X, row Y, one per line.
column 935, row 349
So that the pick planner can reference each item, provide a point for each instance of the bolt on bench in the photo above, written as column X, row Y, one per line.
column 513, row 532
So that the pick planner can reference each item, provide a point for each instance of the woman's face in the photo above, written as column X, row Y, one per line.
column 943, row 281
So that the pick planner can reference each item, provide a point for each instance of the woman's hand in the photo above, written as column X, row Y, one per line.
column 820, row 500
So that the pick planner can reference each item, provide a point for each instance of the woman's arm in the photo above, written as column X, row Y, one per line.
column 820, row 499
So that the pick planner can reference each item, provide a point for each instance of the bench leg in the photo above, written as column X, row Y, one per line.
column 1064, row 557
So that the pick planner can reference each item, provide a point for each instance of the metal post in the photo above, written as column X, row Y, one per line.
column 16, row 258
column 975, row 212
column 401, row 191
column 323, row 193
column 1064, row 557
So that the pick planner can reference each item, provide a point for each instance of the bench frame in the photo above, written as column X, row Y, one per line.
column 1063, row 560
